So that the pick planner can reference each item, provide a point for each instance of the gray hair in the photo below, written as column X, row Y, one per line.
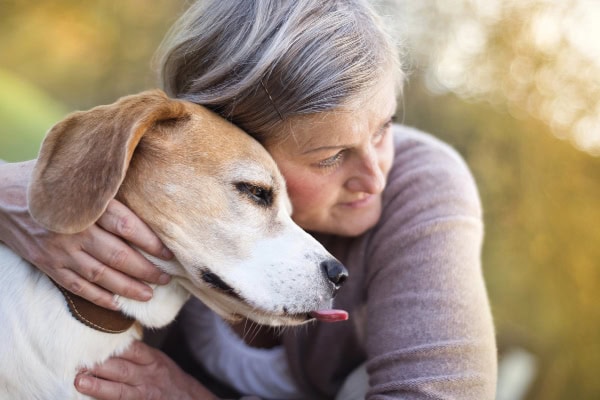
column 257, row 62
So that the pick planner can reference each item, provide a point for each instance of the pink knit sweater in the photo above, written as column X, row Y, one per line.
column 419, row 313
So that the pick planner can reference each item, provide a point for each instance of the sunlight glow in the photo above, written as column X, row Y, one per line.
column 540, row 56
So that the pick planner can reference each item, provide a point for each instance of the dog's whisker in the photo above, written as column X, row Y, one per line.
column 256, row 332
column 247, row 334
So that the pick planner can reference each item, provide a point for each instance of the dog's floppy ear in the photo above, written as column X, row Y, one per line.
column 84, row 158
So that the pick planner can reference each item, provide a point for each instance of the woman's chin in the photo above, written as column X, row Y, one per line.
column 355, row 222
column 342, row 220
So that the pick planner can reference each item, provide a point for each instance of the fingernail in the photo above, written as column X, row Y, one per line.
column 166, row 253
column 83, row 382
column 146, row 293
column 114, row 305
column 163, row 279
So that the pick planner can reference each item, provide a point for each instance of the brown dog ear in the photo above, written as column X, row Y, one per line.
column 84, row 158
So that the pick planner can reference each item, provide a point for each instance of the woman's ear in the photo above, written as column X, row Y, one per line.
column 84, row 158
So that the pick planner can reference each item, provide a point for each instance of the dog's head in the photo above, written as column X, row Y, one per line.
column 210, row 192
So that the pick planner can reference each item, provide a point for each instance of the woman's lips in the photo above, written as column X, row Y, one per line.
column 362, row 202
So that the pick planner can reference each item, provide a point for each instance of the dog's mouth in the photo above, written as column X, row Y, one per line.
column 320, row 315
column 329, row 315
column 294, row 319
column 233, row 306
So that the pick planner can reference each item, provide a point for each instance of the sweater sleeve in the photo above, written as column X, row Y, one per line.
column 429, row 330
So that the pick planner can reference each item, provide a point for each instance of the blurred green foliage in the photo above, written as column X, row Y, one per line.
column 25, row 114
column 67, row 55
column 540, row 194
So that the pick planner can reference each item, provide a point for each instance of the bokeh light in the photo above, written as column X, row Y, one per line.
column 537, row 55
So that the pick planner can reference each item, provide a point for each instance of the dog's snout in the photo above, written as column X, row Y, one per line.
column 335, row 272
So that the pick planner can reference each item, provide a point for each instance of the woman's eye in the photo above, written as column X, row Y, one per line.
column 332, row 161
column 382, row 132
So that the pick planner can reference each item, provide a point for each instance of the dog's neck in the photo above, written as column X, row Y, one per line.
column 94, row 316
column 157, row 312
column 166, row 300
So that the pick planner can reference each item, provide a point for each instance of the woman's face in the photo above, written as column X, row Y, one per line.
column 336, row 164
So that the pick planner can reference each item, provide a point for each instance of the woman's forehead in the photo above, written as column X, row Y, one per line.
column 342, row 126
column 335, row 129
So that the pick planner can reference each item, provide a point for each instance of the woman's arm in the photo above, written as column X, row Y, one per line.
column 96, row 263
column 429, row 327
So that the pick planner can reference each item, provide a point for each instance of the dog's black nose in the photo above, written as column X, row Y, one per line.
column 335, row 272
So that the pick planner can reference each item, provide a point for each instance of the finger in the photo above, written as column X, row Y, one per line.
column 102, row 389
column 112, row 251
column 121, row 221
column 74, row 283
column 116, row 369
column 140, row 353
column 125, row 367
column 99, row 275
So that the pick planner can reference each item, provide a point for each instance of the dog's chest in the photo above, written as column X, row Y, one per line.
column 41, row 345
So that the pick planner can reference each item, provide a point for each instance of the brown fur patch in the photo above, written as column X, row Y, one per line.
column 83, row 159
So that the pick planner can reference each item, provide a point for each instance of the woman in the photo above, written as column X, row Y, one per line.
column 316, row 83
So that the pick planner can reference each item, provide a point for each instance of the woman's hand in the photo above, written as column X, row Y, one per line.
column 141, row 372
column 96, row 263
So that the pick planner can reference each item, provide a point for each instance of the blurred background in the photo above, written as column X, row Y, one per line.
column 513, row 85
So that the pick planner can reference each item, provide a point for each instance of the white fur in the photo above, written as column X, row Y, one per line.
column 41, row 345
column 273, row 267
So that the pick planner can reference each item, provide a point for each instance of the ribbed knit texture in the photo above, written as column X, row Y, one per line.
column 419, row 313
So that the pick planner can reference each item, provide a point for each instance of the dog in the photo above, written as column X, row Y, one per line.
column 209, row 191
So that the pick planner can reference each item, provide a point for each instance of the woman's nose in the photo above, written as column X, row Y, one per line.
column 368, row 177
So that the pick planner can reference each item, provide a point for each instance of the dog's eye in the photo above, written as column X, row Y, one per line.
column 258, row 194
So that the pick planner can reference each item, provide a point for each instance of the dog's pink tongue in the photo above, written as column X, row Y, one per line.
column 330, row 315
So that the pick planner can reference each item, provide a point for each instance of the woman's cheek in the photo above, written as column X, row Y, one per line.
column 303, row 194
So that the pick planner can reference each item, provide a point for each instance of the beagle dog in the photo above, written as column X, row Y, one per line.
column 211, row 193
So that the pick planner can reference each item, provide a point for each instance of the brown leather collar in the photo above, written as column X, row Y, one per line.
column 96, row 317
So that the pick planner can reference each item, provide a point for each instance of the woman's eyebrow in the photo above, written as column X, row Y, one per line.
column 390, row 116
column 326, row 148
